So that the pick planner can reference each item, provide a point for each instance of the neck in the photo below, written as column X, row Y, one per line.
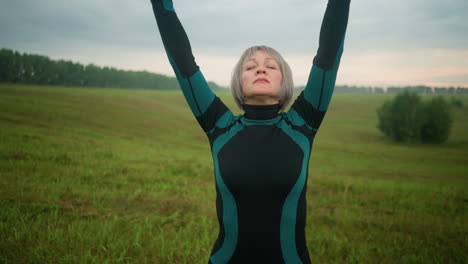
column 261, row 100
column 261, row 112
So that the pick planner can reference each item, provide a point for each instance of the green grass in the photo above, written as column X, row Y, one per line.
column 125, row 176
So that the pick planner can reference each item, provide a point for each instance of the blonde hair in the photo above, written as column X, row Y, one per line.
column 287, row 84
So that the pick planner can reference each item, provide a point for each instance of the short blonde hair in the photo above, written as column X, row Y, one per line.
column 287, row 84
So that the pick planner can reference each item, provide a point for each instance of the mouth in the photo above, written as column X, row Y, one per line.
column 261, row 80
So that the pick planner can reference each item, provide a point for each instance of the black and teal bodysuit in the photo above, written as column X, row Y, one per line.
column 260, row 158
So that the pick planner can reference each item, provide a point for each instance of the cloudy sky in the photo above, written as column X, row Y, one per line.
column 397, row 42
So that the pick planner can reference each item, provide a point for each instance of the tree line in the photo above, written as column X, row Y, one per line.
column 16, row 67
column 420, row 89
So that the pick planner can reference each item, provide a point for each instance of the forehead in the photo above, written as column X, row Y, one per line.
column 259, row 55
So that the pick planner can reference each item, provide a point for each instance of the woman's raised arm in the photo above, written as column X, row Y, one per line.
column 207, row 108
column 313, row 102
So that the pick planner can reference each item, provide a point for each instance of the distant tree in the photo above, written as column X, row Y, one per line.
column 378, row 90
column 400, row 119
column 461, row 90
column 440, row 90
column 407, row 119
column 394, row 90
column 216, row 87
column 421, row 89
column 7, row 73
column 437, row 122
column 457, row 102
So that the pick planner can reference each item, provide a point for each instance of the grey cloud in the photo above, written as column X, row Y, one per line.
column 227, row 27
column 415, row 24
column 54, row 23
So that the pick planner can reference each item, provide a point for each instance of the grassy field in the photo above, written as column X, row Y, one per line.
column 125, row 176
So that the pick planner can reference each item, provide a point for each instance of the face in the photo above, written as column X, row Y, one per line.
column 261, row 79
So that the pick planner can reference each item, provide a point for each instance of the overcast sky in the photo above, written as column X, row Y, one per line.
column 399, row 42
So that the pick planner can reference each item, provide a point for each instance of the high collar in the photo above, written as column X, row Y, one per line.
column 261, row 112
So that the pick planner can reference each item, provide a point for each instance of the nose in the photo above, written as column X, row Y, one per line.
column 260, row 70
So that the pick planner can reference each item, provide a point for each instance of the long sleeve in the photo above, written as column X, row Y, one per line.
column 205, row 105
column 312, row 103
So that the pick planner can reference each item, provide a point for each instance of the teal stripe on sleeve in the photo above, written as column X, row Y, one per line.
column 321, row 83
column 336, row 63
column 202, row 93
column 173, row 64
column 328, row 88
column 186, row 90
column 330, row 80
column 313, row 89
column 195, row 89
column 168, row 5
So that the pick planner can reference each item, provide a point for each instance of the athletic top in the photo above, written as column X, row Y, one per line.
column 260, row 158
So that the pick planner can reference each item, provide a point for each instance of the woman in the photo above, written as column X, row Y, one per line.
column 261, row 157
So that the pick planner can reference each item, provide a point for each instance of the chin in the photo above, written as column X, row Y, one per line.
column 265, row 91
column 266, row 95
column 262, row 92
column 269, row 92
